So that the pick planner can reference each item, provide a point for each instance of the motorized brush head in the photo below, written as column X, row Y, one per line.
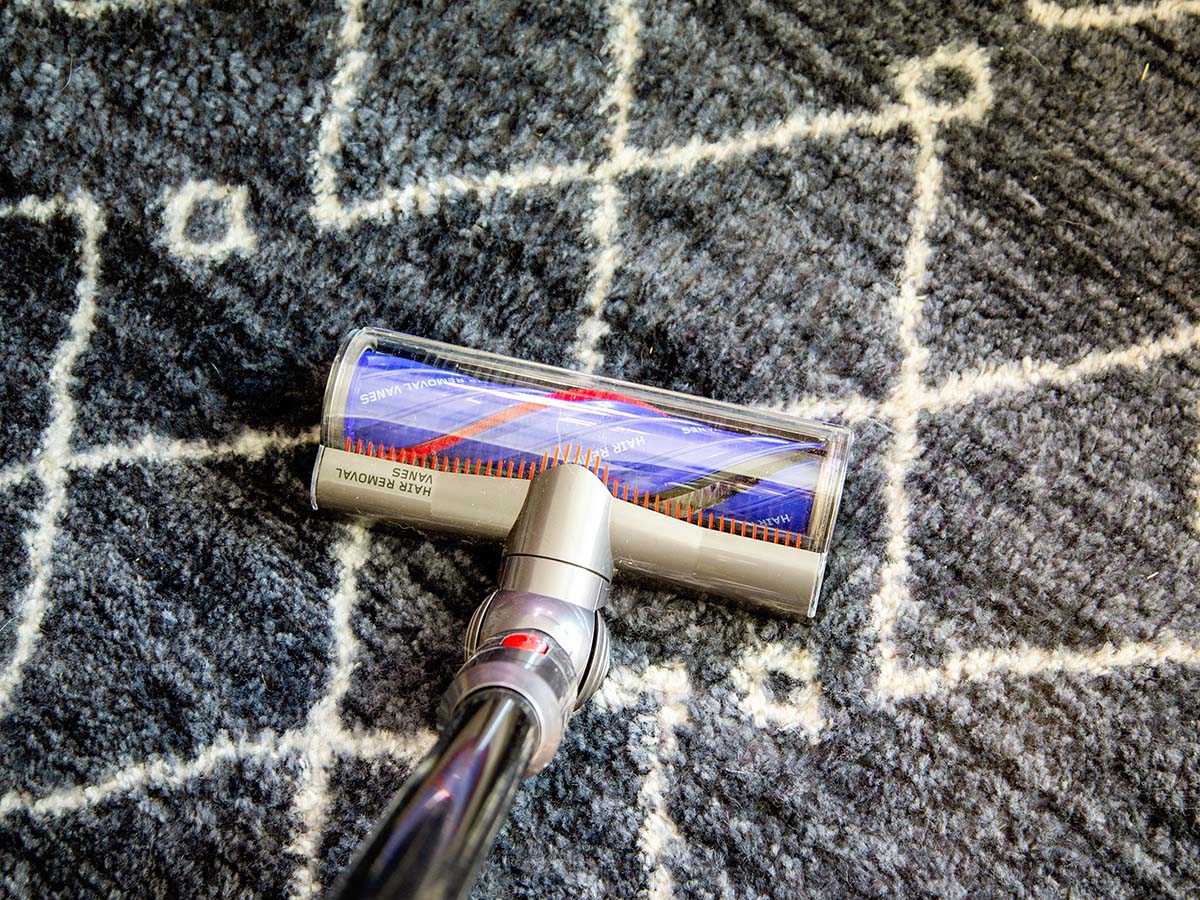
column 704, row 494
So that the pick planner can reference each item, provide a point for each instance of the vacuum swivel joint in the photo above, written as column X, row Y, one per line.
column 540, row 634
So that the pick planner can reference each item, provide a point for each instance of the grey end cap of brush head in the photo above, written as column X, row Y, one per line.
column 565, row 518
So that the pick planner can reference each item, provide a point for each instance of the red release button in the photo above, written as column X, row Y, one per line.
column 530, row 642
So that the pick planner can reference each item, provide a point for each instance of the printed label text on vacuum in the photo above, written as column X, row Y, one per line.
column 392, row 390
column 403, row 480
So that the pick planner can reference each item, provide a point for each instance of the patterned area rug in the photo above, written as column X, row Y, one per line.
column 969, row 231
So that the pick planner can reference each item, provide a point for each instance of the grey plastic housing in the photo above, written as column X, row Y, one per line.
column 553, row 583
column 780, row 578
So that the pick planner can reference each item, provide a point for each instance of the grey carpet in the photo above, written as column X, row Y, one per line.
column 987, row 266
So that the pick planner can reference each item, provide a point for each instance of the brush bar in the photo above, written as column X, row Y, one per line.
column 425, row 409
column 591, row 460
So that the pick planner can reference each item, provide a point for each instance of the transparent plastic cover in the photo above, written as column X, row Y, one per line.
column 756, row 474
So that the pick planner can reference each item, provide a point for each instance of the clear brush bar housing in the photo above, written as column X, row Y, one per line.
column 705, row 494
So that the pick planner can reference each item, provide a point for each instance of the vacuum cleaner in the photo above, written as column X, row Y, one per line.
column 581, row 477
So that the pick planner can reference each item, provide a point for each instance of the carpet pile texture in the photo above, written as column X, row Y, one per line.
column 970, row 231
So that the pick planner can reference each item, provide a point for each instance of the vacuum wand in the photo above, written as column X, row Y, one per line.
column 536, row 650
column 451, row 807
column 575, row 474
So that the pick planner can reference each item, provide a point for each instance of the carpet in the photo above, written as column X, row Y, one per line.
column 969, row 231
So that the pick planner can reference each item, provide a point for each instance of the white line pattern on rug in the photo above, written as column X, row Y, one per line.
column 324, row 727
column 801, row 708
column 1027, row 661
column 232, row 201
column 1119, row 15
column 324, row 736
column 894, row 597
column 170, row 771
column 606, row 194
column 423, row 198
column 51, row 462
column 622, row 688
column 94, row 9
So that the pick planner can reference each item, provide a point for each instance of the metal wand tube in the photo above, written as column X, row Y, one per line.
column 433, row 839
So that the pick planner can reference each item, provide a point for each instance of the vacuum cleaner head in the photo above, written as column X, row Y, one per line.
column 579, row 476
column 706, row 494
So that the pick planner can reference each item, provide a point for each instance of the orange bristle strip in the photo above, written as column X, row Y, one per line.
column 488, row 470
column 656, row 502
column 710, row 520
column 349, row 444
column 359, row 448
column 578, row 450
column 606, row 479
column 510, row 468
column 587, row 460
column 521, row 471
column 392, row 455
column 689, row 516
column 626, row 497
column 370, row 448
column 545, row 456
